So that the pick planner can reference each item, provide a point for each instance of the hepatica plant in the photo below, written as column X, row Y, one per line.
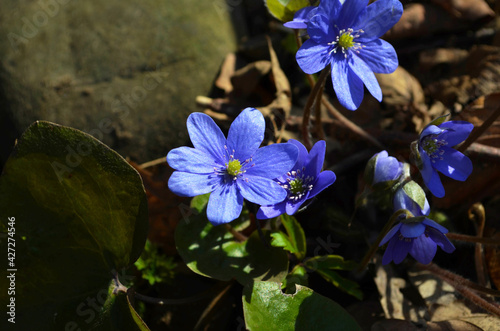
column 347, row 36
column 303, row 182
column 231, row 169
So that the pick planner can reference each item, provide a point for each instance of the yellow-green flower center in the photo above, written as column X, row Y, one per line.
column 233, row 168
column 346, row 40
column 296, row 186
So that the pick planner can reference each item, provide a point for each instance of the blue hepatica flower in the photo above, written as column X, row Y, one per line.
column 347, row 37
column 232, row 169
column 301, row 18
column 304, row 182
column 418, row 236
column 385, row 168
column 435, row 154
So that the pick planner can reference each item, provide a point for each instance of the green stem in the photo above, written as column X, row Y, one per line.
column 368, row 256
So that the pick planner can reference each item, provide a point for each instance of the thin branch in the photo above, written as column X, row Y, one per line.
column 148, row 164
column 479, row 131
column 473, row 239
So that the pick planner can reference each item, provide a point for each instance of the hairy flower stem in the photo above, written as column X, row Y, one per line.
column 479, row 131
column 466, row 288
column 477, row 213
column 473, row 239
column 311, row 101
column 373, row 248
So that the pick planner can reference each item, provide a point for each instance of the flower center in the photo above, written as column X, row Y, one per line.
column 432, row 146
column 345, row 41
column 297, row 184
column 233, row 168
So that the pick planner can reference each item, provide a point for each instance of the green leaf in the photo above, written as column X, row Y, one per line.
column 285, row 9
column 267, row 308
column 324, row 265
column 155, row 267
column 80, row 213
column 212, row 251
column 415, row 192
column 438, row 121
column 295, row 239
column 298, row 276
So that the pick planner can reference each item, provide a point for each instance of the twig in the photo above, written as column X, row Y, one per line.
column 465, row 288
column 473, row 239
column 237, row 235
column 211, row 305
column 479, row 131
column 477, row 213
column 350, row 125
column 148, row 164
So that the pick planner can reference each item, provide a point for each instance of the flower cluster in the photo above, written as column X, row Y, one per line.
column 416, row 235
column 346, row 35
column 434, row 153
column 236, row 168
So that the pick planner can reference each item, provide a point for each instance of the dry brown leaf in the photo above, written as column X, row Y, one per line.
column 476, row 11
column 452, row 325
column 492, row 257
column 165, row 208
column 404, row 101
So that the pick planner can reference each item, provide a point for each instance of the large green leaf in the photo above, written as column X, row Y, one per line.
column 415, row 192
column 266, row 307
column 212, row 251
column 80, row 213
column 285, row 9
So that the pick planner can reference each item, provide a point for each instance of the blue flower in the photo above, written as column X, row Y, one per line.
column 301, row 18
column 347, row 37
column 303, row 183
column 232, row 169
column 418, row 236
column 383, row 168
column 435, row 154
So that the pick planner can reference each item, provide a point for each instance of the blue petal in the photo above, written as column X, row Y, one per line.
column 402, row 201
column 313, row 57
column 348, row 87
column 273, row 161
column 324, row 179
column 364, row 72
column 430, row 176
column 291, row 207
column 321, row 31
column 246, row 134
column 441, row 240
column 191, row 160
column 206, row 135
column 301, row 18
column 412, row 230
column 423, row 249
column 378, row 17
column 390, row 234
column 315, row 159
column 429, row 130
column 435, row 225
column 379, row 56
column 271, row 211
column 224, row 205
column 389, row 252
column 262, row 191
column 186, row 184
column 454, row 164
column 386, row 168
column 457, row 131
column 301, row 159
column 401, row 249
column 351, row 9
column 330, row 9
